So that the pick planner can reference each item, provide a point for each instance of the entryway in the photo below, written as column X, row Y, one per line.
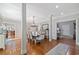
column 66, row 29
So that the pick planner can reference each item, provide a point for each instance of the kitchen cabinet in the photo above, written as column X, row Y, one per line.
column 2, row 41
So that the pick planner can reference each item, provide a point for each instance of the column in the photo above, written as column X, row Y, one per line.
column 50, row 28
column 24, row 38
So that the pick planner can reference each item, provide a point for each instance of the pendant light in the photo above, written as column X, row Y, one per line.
column 33, row 25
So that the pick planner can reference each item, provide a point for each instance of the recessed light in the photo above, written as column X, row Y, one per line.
column 61, row 13
column 57, row 6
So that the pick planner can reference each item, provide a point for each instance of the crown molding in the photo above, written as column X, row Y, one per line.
column 67, row 15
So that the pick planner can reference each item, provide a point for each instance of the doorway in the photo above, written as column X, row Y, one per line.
column 66, row 29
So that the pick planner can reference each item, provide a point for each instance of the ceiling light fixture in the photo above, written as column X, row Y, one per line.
column 33, row 25
column 57, row 6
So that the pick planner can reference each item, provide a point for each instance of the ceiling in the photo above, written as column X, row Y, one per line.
column 10, row 11
column 62, row 8
column 13, row 10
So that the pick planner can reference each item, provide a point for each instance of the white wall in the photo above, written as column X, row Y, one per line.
column 11, row 10
column 39, row 13
column 34, row 10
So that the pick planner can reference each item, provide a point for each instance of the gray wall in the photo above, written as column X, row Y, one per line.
column 71, row 28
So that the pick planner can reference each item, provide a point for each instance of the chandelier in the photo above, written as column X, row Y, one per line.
column 33, row 24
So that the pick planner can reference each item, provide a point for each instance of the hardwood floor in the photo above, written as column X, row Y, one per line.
column 9, row 51
column 43, row 47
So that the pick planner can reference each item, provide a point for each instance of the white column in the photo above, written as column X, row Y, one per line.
column 77, row 31
column 54, row 31
column 24, row 38
column 50, row 28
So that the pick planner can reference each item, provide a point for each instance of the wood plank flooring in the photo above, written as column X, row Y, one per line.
column 43, row 47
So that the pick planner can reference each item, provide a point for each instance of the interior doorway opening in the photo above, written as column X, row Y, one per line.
column 66, row 29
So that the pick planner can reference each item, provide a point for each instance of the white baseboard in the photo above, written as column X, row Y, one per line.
column 50, row 40
column 77, row 44
column 23, row 52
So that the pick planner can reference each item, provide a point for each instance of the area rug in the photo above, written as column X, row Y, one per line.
column 10, row 44
column 60, row 49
